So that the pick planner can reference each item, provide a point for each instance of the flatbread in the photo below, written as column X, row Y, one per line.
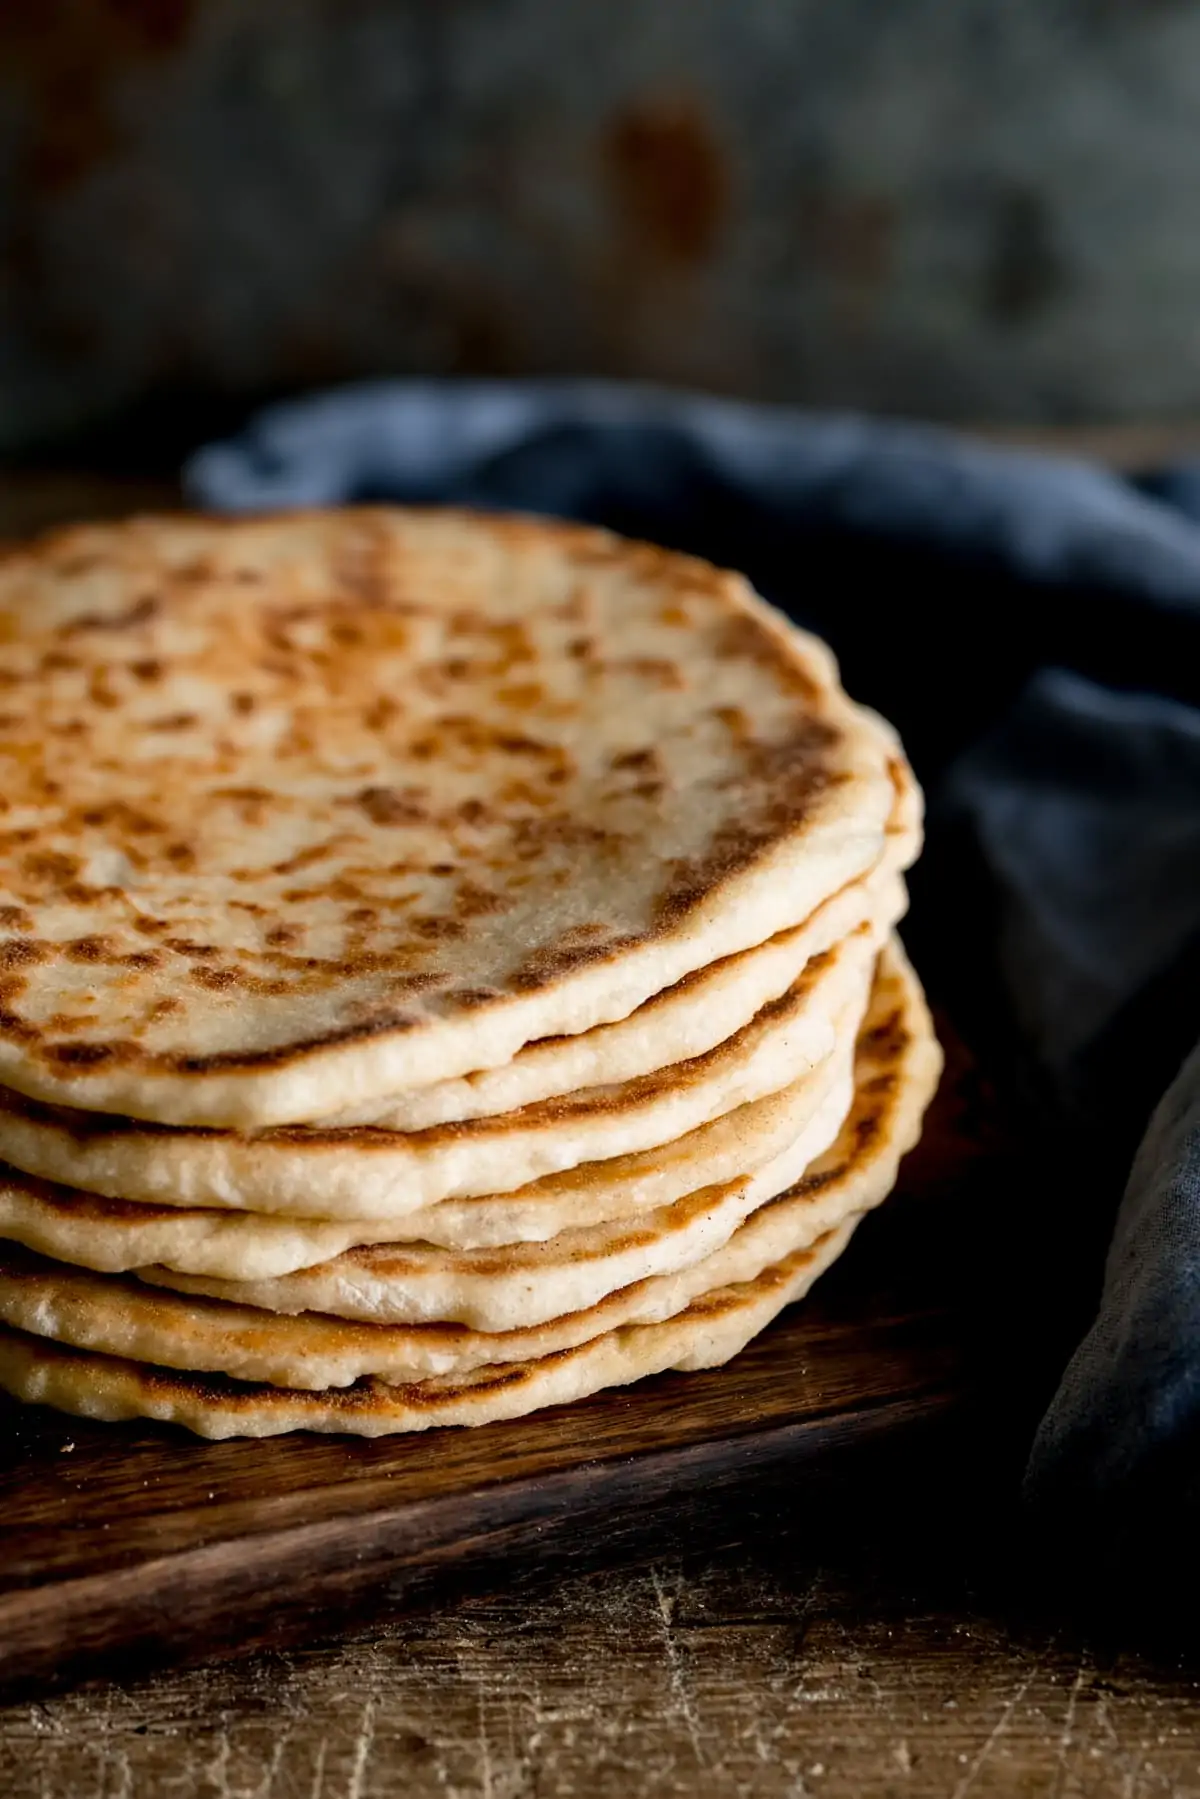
column 696, row 1015
column 897, row 1066
column 311, row 1171
column 683, row 1021
column 521, row 1284
column 710, row 1331
column 113, row 1235
column 310, row 810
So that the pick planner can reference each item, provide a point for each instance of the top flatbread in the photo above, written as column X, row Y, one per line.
column 305, row 811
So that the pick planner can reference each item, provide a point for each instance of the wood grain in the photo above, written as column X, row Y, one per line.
column 146, row 1542
column 876, row 1646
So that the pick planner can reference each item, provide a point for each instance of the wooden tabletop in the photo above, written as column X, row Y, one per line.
column 877, row 1651
column 881, row 1635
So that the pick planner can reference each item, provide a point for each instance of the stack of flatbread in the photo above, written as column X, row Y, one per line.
column 446, row 968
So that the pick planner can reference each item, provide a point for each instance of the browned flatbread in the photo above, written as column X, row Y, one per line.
column 710, row 1331
column 320, row 1172
column 113, row 1235
column 896, row 1070
column 310, row 810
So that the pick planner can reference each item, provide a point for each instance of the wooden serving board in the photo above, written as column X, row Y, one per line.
column 132, row 1542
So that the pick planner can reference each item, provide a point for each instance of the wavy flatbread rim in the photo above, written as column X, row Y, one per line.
column 368, row 1173
column 896, row 1072
column 710, row 1331
column 112, row 1236
column 683, row 1021
column 520, row 1284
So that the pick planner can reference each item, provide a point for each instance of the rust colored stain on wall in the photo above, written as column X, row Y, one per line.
column 204, row 202
column 669, row 179
column 68, row 55
column 850, row 236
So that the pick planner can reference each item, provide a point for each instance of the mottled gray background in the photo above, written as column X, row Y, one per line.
column 968, row 209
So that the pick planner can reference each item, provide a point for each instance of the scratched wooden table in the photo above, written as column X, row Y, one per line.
column 876, row 1638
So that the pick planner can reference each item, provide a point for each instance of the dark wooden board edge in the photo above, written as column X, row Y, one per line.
column 130, row 1546
column 282, row 1587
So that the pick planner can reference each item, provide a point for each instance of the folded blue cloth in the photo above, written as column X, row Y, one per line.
column 1032, row 625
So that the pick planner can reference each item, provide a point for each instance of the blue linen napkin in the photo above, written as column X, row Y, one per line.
column 1032, row 625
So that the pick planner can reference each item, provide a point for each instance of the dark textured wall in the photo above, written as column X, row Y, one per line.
column 945, row 207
